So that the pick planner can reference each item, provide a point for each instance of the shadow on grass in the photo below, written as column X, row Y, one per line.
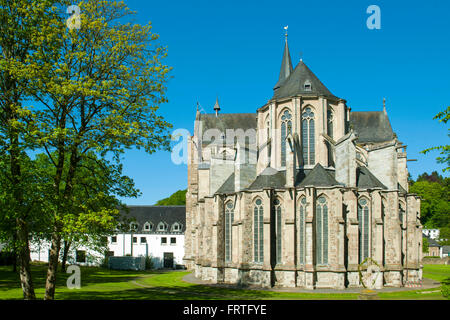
column 195, row 292
column 89, row 276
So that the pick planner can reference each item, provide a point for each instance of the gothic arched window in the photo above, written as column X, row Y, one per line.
column 286, row 128
column 330, row 121
column 278, row 229
column 258, row 233
column 363, row 218
column 301, row 233
column 229, row 217
column 321, row 231
column 308, row 141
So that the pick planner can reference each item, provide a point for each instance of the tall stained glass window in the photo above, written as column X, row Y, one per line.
column 229, row 217
column 286, row 128
column 258, row 233
column 301, row 242
column 321, row 231
column 278, row 229
column 363, row 219
column 308, row 141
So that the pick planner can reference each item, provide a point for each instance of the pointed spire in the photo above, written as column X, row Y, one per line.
column 384, row 105
column 217, row 106
column 286, row 63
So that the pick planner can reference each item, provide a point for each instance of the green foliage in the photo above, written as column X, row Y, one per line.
column 425, row 244
column 149, row 263
column 98, row 90
column 445, row 288
column 435, row 204
column 176, row 199
column 443, row 116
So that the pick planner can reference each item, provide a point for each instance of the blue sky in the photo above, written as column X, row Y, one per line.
column 233, row 49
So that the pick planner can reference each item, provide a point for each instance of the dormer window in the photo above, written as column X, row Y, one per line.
column 133, row 226
column 176, row 227
column 307, row 86
column 162, row 226
column 148, row 226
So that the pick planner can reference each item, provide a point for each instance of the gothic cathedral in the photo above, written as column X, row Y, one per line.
column 301, row 193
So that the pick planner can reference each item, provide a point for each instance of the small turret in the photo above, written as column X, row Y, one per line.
column 217, row 107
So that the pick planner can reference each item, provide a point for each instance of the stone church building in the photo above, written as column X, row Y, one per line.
column 300, row 193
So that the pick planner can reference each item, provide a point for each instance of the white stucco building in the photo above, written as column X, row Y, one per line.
column 155, row 231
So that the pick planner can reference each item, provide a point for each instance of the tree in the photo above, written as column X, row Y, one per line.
column 443, row 116
column 425, row 245
column 94, row 209
column 21, row 23
column 434, row 207
column 176, row 199
column 98, row 92
column 444, row 235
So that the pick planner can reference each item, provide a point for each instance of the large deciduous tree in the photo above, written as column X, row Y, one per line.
column 97, row 87
column 100, row 93
column 21, row 23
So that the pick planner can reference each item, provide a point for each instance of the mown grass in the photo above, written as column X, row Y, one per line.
column 103, row 284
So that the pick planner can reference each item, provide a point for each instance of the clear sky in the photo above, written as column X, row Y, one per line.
column 233, row 49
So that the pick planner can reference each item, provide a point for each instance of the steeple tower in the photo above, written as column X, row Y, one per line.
column 286, row 63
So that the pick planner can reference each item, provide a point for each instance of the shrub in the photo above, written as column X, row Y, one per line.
column 148, row 263
column 445, row 288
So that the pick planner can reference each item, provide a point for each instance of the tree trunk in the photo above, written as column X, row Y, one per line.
column 50, row 284
column 14, row 253
column 67, row 245
column 21, row 246
column 23, row 254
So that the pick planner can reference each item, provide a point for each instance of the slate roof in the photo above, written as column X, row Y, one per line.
column 294, row 84
column 286, row 66
column 156, row 214
column 401, row 189
column 366, row 180
column 371, row 126
column 432, row 242
column 269, row 178
column 228, row 185
column 225, row 121
column 317, row 177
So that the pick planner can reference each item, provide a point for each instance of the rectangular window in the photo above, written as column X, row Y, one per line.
column 81, row 256
column 163, row 240
column 173, row 240
column 134, row 239
column 114, row 239
column 143, row 240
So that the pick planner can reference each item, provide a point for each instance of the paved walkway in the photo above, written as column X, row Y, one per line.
column 426, row 284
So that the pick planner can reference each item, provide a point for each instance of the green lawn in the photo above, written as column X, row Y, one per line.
column 103, row 284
